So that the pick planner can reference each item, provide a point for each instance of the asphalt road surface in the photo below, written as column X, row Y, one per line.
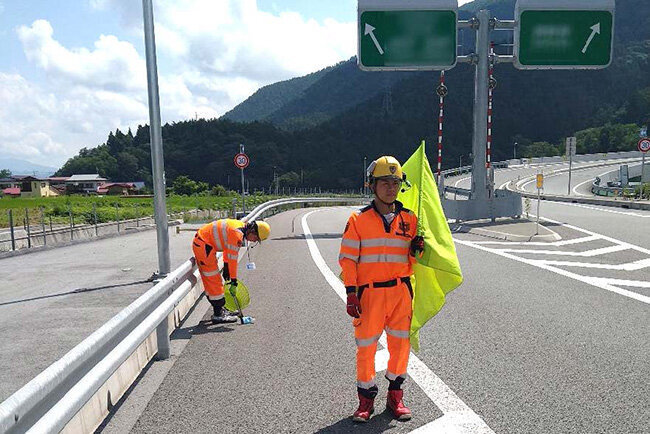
column 582, row 175
column 41, row 320
column 541, row 337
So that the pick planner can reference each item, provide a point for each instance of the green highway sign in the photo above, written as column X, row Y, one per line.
column 407, row 39
column 551, row 35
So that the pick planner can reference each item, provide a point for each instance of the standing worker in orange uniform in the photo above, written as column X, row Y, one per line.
column 227, row 236
column 377, row 252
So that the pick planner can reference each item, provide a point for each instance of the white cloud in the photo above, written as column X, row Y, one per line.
column 113, row 64
column 212, row 54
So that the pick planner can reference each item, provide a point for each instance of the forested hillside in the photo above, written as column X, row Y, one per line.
column 316, row 130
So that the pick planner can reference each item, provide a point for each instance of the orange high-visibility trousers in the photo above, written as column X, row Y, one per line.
column 388, row 309
column 206, row 260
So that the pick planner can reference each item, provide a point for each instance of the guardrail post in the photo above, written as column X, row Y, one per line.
column 11, row 229
column 95, row 218
column 29, row 232
column 43, row 227
column 162, row 332
column 71, row 222
column 117, row 217
column 162, row 337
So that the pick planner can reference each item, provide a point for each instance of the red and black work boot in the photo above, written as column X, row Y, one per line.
column 366, row 408
column 394, row 402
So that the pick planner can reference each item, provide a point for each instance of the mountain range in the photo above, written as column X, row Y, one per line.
column 24, row 167
column 320, row 127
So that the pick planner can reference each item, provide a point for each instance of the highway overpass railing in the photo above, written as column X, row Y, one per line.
column 77, row 392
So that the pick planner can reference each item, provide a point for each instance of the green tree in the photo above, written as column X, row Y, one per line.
column 541, row 149
column 218, row 190
column 290, row 179
column 5, row 173
column 184, row 185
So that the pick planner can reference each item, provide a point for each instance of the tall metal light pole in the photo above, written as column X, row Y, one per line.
column 157, row 160
column 514, row 151
column 157, row 165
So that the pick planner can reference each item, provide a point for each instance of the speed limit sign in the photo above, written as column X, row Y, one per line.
column 644, row 145
column 242, row 161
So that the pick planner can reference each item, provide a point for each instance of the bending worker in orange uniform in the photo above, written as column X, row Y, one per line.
column 225, row 236
column 377, row 252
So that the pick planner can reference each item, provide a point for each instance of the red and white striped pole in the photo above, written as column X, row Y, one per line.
column 488, row 155
column 440, row 116
column 442, row 92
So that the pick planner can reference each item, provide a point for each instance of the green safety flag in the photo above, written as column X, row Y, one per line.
column 437, row 272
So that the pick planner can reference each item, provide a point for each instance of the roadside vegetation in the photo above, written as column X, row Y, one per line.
column 58, row 210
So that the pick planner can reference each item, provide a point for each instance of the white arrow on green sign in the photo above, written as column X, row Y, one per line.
column 564, row 34
column 407, row 35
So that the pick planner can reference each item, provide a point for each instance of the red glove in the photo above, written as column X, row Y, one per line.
column 353, row 305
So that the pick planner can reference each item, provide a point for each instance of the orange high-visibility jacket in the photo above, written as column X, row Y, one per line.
column 373, row 250
column 224, row 235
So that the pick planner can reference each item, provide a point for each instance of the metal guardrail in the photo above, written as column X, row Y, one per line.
column 50, row 400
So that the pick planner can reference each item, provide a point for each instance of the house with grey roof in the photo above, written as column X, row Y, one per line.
column 84, row 183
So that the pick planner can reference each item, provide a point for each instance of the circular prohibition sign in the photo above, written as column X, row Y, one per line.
column 644, row 145
column 242, row 161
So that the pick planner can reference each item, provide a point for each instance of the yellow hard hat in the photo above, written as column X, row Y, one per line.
column 384, row 168
column 263, row 229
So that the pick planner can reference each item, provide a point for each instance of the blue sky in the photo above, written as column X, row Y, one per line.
column 73, row 70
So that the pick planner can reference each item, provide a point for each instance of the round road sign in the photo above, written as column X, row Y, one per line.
column 242, row 161
column 644, row 145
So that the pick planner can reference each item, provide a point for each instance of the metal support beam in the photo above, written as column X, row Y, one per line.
column 479, row 137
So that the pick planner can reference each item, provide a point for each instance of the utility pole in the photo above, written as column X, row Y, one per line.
column 157, row 166
column 514, row 151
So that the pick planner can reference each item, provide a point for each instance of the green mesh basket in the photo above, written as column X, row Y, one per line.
column 243, row 297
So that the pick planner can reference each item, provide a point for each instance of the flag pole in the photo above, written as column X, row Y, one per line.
column 420, row 230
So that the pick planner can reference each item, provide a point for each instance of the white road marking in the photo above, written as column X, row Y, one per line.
column 555, row 243
column 604, row 237
column 575, row 189
column 604, row 209
column 624, row 282
column 588, row 253
column 603, row 283
column 458, row 417
column 461, row 180
column 594, row 281
column 630, row 266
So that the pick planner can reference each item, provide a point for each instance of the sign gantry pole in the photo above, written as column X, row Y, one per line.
column 479, row 136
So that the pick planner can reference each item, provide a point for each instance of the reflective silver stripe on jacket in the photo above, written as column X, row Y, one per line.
column 215, row 297
column 350, row 243
column 217, row 242
column 232, row 257
column 385, row 242
column 366, row 384
column 348, row 256
column 384, row 258
column 368, row 341
column 397, row 333
column 231, row 247
column 210, row 273
column 393, row 377
column 224, row 231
